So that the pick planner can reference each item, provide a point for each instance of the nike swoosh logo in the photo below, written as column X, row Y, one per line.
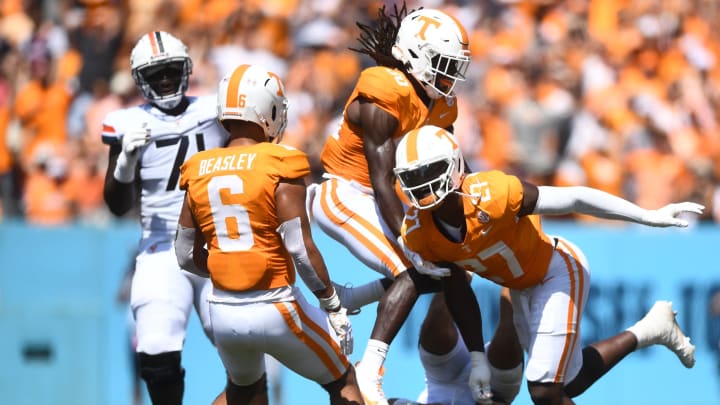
column 444, row 114
column 486, row 230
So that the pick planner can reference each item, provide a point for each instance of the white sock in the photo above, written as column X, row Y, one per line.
column 356, row 297
column 374, row 355
column 641, row 338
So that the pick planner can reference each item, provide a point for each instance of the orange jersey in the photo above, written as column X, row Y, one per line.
column 232, row 198
column 390, row 90
column 500, row 246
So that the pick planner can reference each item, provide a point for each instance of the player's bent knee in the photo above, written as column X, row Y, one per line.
column 545, row 393
column 161, row 369
column 506, row 383
column 348, row 377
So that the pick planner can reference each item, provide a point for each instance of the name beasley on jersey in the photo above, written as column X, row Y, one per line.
column 242, row 161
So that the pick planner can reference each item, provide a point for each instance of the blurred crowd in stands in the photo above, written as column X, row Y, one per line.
column 621, row 95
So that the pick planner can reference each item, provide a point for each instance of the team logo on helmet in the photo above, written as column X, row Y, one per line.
column 433, row 46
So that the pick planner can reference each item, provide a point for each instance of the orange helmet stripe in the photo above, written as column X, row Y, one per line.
column 463, row 34
column 153, row 42
column 232, row 99
column 412, row 145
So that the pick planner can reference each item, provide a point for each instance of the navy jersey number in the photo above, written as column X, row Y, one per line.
column 180, row 156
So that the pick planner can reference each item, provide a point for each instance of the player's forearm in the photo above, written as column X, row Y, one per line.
column 305, row 256
column 119, row 197
column 189, row 257
column 391, row 208
column 463, row 306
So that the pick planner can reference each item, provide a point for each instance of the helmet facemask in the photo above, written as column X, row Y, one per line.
column 428, row 166
column 446, row 71
column 426, row 185
column 164, row 83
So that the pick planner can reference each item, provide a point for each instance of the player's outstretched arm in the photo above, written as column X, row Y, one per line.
column 598, row 203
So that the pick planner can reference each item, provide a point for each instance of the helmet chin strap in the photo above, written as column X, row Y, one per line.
column 432, row 91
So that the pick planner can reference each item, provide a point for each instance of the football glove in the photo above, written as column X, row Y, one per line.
column 479, row 380
column 127, row 160
column 339, row 321
column 667, row 215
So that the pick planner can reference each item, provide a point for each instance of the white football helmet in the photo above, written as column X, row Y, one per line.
column 433, row 46
column 155, row 51
column 252, row 93
column 428, row 165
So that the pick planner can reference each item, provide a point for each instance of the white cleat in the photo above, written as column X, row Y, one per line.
column 659, row 326
column 370, row 384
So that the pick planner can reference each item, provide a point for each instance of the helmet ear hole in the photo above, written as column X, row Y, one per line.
column 397, row 53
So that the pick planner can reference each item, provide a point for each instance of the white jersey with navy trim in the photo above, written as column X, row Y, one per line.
column 173, row 140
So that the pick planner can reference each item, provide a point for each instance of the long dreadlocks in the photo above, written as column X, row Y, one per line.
column 377, row 41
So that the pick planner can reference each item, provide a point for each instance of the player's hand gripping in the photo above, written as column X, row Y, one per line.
column 339, row 321
column 668, row 215
column 479, row 380
column 421, row 265
column 132, row 142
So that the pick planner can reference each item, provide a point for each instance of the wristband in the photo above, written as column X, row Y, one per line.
column 124, row 170
column 478, row 359
column 330, row 304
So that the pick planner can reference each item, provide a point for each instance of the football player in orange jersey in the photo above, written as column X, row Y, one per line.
column 246, row 203
column 489, row 223
column 420, row 58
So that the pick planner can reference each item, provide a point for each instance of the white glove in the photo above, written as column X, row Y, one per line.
column 128, row 158
column 667, row 215
column 339, row 321
column 479, row 380
column 421, row 265
column 342, row 327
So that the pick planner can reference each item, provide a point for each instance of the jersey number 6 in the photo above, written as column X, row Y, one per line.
column 231, row 219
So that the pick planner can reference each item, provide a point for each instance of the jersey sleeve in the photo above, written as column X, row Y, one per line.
column 288, row 162
column 379, row 86
column 112, row 128
column 185, row 171
column 118, row 122
column 411, row 232
column 505, row 191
